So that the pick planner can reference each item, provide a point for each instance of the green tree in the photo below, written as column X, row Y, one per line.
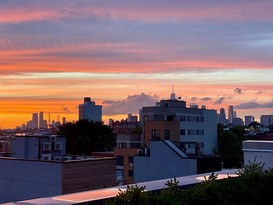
column 84, row 137
column 230, row 146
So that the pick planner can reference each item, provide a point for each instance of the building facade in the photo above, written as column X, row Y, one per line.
column 197, row 127
column 266, row 120
column 230, row 114
column 259, row 151
column 22, row 179
column 249, row 119
column 44, row 147
column 165, row 160
column 90, row 111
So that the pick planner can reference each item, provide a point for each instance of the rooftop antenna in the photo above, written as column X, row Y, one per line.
column 172, row 94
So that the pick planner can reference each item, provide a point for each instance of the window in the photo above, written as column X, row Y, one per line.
column 130, row 159
column 135, row 145
column 191, row 145
column 131, row 173
column 120, row 161
column 192, row 132
column 155, row 134
column 183, row 118
column 170, row 117
column 182, row 132
column 122, row 144
column 167, row 134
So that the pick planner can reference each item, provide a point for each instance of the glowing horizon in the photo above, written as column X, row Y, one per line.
column 127, row 54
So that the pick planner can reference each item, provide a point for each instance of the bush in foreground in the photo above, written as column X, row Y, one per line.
column 254, row 185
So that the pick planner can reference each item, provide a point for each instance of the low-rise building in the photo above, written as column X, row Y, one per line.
column 259, row 151
column 22, row 179
column 35, row 166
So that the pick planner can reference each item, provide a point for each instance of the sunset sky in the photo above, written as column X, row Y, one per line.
column 126, row 54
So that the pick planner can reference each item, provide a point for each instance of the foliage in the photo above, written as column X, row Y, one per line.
column 254, row 185
column 133, row 195
column 230, row 146
column 84, row 137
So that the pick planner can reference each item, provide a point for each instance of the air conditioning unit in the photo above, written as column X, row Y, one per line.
column 58, row 146
column 46, row 146
column 58, row 158
column 46, row 156
column 52, row 138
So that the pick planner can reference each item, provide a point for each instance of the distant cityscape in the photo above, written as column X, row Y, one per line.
column 166, row 139
column 230, row 118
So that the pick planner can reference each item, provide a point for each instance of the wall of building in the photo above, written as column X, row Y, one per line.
column 172, row 126
column 31, row 147
column 258, row 151
column 26, row 179
column 163, row 158
column 126, row 166
column 90, row 111
column 196, row 125
column 26, row 147
column 88, row 174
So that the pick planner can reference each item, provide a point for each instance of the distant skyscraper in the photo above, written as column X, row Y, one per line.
column 35, row 120
column 90, row 111
column 238, row 121
column 41, row 118
column 266, row 120
column 222, row 116
column 42, row 122
column 249, row 119
column 129, row 119
column 230, row 113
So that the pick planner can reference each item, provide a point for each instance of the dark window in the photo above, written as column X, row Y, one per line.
column 122, row 144
column 167, row 134
column 183, row 118
column 130, row 159
column 131, row 173
column 182, row 132
column 135, row 145
column 120, row 161
column 170, row 118
column 155, row 134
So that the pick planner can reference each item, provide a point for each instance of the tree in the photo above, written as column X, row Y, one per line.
column 84, row 137
column 230, row 146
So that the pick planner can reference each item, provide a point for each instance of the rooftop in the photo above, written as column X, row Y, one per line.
column 96, row 196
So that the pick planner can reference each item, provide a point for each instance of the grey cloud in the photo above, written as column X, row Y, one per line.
column 110, row 102
column 219, row 101
column 131, row 104
column 259, row 92
column 251, row 105
column 193, row 99
column 238, row 91
column 66, row 110
column 205, row 99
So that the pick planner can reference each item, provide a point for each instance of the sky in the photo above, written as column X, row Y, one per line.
column 126, row 54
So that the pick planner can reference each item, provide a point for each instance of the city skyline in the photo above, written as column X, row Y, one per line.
column 129, row 54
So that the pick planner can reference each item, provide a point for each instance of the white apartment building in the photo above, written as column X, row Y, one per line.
column 198, row 126
column 90, row 111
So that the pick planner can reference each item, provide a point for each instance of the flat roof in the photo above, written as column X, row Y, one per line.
column 257, row 145
column 107, row 193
